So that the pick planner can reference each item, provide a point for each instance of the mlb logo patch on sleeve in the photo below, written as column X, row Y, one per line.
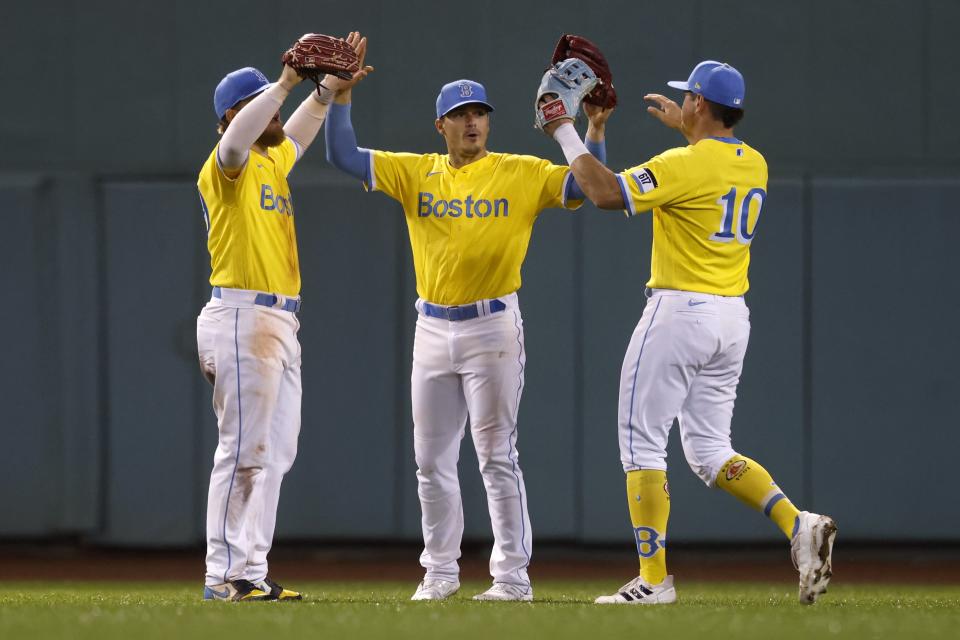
column 645, row 180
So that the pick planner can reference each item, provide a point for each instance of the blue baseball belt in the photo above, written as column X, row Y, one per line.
column 463, row 312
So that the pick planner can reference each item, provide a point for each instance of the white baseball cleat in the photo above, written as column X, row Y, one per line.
column 506, row 592
column 435, row 589
column 639, row 592
column 811, row 550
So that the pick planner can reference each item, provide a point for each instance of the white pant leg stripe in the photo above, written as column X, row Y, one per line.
column 236, row 463
column 512, row 437
column 633, row 394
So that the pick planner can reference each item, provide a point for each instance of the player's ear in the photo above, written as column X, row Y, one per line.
column 229, row 114
column 439, row 125
column 701, row 105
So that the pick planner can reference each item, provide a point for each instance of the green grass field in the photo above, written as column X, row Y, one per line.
column 106, row 611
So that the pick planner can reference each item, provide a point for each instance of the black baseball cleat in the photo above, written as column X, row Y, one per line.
column 276, row 592
column 236, row 591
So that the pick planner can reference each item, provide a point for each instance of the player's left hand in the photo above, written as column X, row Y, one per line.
column 359, row 44
column 597, row 115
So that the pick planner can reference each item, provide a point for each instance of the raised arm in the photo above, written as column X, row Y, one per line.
column 305, row 123
column 594, row 142
column 596, row 130
column 342, row 150
column 248, row 123
column 596, row 181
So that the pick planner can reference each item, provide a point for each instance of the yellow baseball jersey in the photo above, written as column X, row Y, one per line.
column 469, row 227
column 250, row 232
column 706, row 200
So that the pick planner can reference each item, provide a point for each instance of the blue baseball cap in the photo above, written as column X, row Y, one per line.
column 458, row 93
column 716, row 81
column 236, row 86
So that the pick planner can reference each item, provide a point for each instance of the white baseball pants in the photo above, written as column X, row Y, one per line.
column 251, row 355
column 470, row 368
column 684, row 361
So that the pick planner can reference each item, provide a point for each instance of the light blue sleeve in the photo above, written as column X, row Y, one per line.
column 599, row 151
column 342, row 150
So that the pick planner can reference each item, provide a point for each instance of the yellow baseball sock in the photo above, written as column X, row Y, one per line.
column 748, row 481
column 649, row 500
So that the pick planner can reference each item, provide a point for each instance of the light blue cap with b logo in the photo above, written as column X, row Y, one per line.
column 236, row 86
column 716, row 81
column 458, row 93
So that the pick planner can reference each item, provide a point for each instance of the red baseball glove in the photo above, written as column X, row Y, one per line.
column 571, row 46
column 315, row 55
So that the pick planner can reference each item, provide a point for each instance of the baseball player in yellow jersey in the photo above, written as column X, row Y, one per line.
column 247, row 333
column 686, row 354
column 469, row 214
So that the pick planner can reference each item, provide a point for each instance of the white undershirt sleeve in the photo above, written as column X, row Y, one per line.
column 304, row 125
column 570, row 142
column 247, row 126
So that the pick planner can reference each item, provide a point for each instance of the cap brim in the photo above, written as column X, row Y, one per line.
column 460, row 104
column 679, row 84
column 252, row 94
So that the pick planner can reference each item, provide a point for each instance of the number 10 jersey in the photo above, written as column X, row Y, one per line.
column 706, row 200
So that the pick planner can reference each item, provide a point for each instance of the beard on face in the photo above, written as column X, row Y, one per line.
column 272, row 136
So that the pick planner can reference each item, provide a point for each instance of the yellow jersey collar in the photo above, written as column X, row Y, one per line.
column 479, row 165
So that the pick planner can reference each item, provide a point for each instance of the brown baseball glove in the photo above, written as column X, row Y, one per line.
column 571, row 46
column 315, row 55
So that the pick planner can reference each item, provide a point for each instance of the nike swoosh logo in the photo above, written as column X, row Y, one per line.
column 433, row 173
column 224, row 594
column 691, row 303
column 260, row 166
